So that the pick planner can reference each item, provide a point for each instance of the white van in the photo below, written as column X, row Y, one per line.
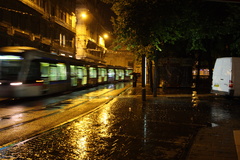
column 226, row 76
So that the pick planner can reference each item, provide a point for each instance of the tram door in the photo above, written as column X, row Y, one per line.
column 82, row 75
column 45, row 76
column 74, row 72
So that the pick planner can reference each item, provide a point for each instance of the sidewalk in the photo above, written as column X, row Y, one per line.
column 218, row 140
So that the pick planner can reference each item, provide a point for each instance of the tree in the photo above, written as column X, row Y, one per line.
column 212, row 30
column 138, row 25
column 146, row 27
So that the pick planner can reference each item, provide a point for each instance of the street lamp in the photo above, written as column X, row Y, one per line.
column 106, row 36
column 84, row 15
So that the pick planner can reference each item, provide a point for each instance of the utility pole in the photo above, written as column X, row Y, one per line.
column 143, row 78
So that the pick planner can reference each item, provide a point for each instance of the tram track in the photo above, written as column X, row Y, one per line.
column 57, row 107
column 43, row 118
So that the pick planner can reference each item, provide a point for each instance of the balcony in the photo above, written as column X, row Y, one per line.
column 63, row 24
column 35, row 7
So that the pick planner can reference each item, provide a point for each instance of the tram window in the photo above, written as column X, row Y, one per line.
column 84, row 72
column 99, row 74
column 93, row 72
column 128, row 72
column 10, row 68
column 73, row 70
column 61, row 71
column 111, row 73
column 53, row 73
column 105, row 74
column 44, row 69
column 117, row 74
column 34, row 71
column 80, row 73
column 121, row 73
column 102, row 72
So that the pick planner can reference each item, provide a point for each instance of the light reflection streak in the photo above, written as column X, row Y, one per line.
column 82, row 147
column 90, row 130
column 78, row 137
column 103, row 119
column 195, row 99
column 145, row 128
column 17, row 113
column 17, row 117
column 110, row 86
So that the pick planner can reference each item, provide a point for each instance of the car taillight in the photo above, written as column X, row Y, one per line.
column 230, row 84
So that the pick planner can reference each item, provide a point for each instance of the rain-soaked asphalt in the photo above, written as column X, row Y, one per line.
column 161, row 128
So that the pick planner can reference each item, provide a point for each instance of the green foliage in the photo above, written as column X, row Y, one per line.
column 148, row 25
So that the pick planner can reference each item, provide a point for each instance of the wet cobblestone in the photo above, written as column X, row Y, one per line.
column 163, row 127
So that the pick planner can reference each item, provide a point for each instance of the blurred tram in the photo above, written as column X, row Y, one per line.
column 29, row 72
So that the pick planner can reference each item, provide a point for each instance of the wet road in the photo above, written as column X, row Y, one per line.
column 127, row 128
column 23, row 118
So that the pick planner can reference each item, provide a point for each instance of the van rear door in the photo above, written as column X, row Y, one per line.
column 222, row 76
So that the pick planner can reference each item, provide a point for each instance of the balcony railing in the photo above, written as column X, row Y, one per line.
column 62, row 23
column 33, row 6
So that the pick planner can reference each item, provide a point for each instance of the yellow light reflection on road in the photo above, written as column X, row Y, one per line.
column 90, row 132
column 78, row 137
column 103, row 119
column 195, row 99
column 82, row 147
column 17, row 117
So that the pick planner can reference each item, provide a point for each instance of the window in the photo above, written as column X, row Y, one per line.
column 34, row 71
column 111, row 73
column 82, row 74
column 61, row 71
column 63, row 40
column 102, row 72
column 10, row 67
column 128, row 71
column 53, row 72
column 44, row 69
column 73, row 70
column 121, row 73
column 60, row 39
column 117, row 74
column 93, row 72
column 57, row 72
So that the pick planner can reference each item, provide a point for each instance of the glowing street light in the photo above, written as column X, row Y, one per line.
column 105, row 36
column 84, row 15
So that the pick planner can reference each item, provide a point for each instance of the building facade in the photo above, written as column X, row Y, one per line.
column 48, row 25
column 71, row 28
column 91, row 29
column 120, row 58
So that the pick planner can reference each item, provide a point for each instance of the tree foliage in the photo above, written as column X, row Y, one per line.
column 147, row 25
